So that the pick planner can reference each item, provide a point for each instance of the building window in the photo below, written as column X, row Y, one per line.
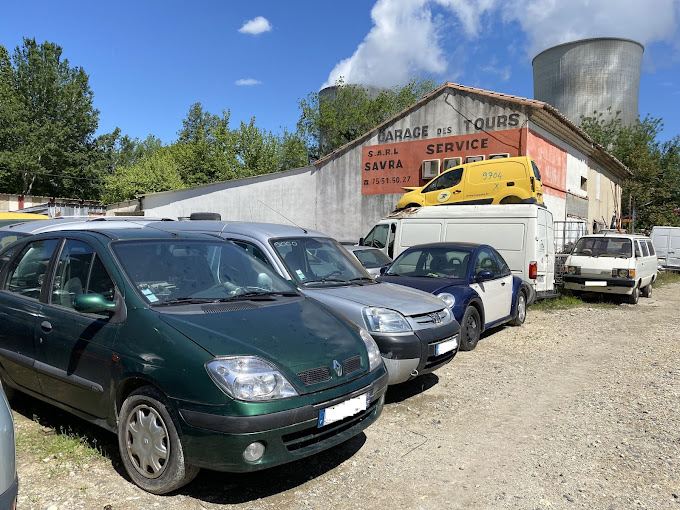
column 430, row 168
column 451, row 162
column 584, row 183
column 499, row 156
column 472, row 159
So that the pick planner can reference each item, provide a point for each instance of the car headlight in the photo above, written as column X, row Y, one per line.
column 384, row 320
column 249, row 378
column 374, row 357
column 447, row 298
column 573, row 270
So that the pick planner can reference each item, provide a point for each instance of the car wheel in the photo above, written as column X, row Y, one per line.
column 634, row 296
column 149, row 444
column 470, row 329
column 647, row 291
column 521, row 307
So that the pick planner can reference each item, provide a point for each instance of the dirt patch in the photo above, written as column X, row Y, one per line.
column 576, row 409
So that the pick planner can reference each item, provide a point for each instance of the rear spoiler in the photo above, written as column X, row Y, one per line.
column 409, row 189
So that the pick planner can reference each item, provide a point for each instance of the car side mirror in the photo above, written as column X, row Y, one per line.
column 484, row 275
column 383, row 270
column 361, row 241
column 93, row 303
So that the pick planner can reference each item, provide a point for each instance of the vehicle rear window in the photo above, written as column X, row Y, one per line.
column 536, row 172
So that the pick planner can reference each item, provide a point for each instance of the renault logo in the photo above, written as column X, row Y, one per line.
column 337, row 367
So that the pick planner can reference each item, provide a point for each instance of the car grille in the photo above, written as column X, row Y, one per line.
column 314, row 435
column 429, row 318
column 322, row 374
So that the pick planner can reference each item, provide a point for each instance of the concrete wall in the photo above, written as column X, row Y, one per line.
column 292, row 194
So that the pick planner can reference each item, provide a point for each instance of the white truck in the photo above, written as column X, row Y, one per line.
column 522, row 233
column 666, row 242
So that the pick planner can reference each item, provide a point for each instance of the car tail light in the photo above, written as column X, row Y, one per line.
column 533, row 269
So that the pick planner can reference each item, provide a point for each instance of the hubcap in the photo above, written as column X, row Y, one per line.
column 148, row 446
column 471, row 328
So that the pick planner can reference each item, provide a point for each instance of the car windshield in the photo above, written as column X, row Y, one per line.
column 372, row 258
column 432, row 262
column 183, row 271
column 604, row 247
column 315, row 261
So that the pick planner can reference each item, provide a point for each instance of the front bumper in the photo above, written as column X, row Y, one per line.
column 407, row 355
column 8, row 499
column 217, row 441
column 602, row 285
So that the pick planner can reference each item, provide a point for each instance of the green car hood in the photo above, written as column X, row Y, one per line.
column 295, row 336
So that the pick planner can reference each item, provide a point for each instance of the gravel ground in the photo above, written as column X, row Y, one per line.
column 576, row 409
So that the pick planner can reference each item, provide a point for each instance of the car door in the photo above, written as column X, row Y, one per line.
column 445, row 188
column 74, row 349
column 505, row 275
column 23, row 280
column 492, row 291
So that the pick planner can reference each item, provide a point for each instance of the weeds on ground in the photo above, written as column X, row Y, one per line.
column 62, row 450
column 567, row 300
column 666, row 277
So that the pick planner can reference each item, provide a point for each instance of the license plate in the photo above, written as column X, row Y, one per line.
column 445, row 346
column 596, row 284
column 343, row 410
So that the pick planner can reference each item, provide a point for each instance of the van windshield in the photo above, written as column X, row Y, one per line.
column 603, row 247
column 319, row 261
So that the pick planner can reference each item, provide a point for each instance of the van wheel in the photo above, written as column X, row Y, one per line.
column 470, row 329
column 512, row 200
column 647, row 290
column 521, row 306
column 635, row 296
column 149, row 444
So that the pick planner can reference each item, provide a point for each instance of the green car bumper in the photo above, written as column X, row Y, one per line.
column 218, row 442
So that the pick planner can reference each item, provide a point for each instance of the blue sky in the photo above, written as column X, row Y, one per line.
column 149, row 61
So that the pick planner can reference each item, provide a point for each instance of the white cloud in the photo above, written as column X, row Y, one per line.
column 256, row 26
column 409, row 37
column 246, row 82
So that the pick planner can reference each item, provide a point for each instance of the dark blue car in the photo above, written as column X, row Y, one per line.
column 472, row 279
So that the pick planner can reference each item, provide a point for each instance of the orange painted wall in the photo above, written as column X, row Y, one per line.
column 388, row 167
column 552, row 163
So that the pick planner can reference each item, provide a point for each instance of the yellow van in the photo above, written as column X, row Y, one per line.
column 495, row 181
column 8, row 218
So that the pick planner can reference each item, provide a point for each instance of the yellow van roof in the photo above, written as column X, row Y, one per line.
column 22, row 216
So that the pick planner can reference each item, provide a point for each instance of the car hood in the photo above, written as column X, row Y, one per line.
column 295, row 336
column 395, row 297
column 431, row 285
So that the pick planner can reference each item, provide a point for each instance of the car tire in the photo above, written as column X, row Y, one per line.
column 647, row 291
column 470, row 329
column 634, row 297
column 149, row 443
column 521, row 307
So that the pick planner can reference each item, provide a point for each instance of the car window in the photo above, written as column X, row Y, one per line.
column 446, row 180
column 638, row 253
column 645, row 248
column 377, row 237
column 372, row 258
column 486, row 261
column 27, row 273
column 9, row 237
column 650, row 246
column 6, row 257
column 536, row 172
column 253, row 250
column 433, row 262
column 503, row 268
column 604, row 247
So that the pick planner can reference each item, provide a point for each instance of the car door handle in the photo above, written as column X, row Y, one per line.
column 455, row 192
column 46, row 326
column 503, row 284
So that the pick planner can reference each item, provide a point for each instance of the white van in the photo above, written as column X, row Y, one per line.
column 667, row 244
column 621, row 264
column 522, row 234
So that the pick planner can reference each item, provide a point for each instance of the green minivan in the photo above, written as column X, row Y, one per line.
column 193, row 352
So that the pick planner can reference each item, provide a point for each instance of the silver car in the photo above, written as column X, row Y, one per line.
column 414, row 330
column 9, row 483
column 372, row 259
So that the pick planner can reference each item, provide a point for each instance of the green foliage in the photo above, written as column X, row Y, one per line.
column 47, row 125
column 653, row 191
column 156, row 171
column 327, row 123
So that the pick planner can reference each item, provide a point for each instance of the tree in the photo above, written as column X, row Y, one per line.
column 47, row 124
column 329, row 122
column 653, row 191
column 157, row 171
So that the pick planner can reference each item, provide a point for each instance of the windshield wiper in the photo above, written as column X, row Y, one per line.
column 267, row 296
column 324, row 280
column 362, row 279
column 185, row 301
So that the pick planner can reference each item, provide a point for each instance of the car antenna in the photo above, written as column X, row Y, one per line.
column 277, row 212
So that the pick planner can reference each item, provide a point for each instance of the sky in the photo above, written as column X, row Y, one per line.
column 149, row 61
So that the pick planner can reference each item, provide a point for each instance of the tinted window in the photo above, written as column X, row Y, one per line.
column 446, row 180
column 73, row 268
column 372, row 258
column 486, row 261
column 432, row 262
column 503, row 268
column 27, row 273
column 253, row 250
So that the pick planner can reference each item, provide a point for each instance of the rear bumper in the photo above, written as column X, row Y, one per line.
column 8, row 499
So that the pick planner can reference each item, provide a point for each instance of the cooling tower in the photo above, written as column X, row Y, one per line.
column 590, row 75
